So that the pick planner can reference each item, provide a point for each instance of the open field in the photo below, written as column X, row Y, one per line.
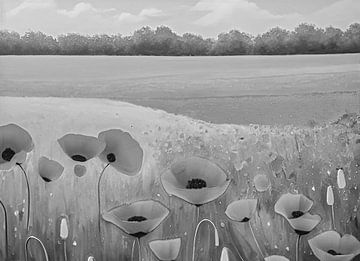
column 241, row 90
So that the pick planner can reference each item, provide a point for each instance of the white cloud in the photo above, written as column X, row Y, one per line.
column 340, row 14
column 241, row 14
column 31, row 5
column 141, row 16
column 81, row 8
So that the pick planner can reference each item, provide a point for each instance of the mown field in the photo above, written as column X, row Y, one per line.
column 299, row 90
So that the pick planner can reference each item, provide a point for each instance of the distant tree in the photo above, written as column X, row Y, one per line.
column 195, row 45
column 144, row 41
column 74, row 44
column 352, row 38
column 38, row 43
column 166, row 41
column 307, row 39
column 101, row 45
column 275, row 41
column 232, row 43
column 332, row 40
column 10, row 43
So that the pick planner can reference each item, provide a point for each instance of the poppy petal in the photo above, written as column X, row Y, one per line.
column 349, row 245
column 154, row 212
column 276, row 258
column 240, row 209
column 288, row 203
column 167, row 249
column 50, row 170
column 81, row 147
column 196, row 196
column 305, row 223
column 122, row 151
column 175, row 180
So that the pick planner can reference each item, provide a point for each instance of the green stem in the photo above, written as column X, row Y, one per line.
column 297, row 247
column 6, row 230
column 28, row 196
column 256, row 242
column 65, row 255
column 99, row 200
column 132, row 250
column 197, row 213
column 333, row 217
column 138, row 240
column 42, row 245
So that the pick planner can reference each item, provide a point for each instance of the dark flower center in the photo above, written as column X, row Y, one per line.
column 138, row 234
column 137, row 218
column 296, row 214
column 301, row 232
column 245, row 219
column 111, row 157
column 46, row 179
column 196, row 184
column 78, row 158
column 7, row 154
column 333, row 252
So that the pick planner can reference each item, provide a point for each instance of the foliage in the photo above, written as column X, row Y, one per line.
column 305, row 39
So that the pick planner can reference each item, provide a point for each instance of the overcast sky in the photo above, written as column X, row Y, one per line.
column 205, row 17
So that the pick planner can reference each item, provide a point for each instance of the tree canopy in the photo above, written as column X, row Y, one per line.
column 304, row 39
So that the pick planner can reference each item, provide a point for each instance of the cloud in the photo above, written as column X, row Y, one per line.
column 241, row 14
column 141, row 16
column 31, row 5
column 81, row 8
column 340, row 14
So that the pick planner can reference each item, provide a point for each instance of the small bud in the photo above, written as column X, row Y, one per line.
column 64, row 232
column 224, row 254
column 330, row 196
column 341, row 179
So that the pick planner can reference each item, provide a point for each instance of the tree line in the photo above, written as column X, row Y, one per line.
column 304, row 39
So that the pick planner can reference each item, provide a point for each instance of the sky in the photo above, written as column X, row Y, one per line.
column 205, row 17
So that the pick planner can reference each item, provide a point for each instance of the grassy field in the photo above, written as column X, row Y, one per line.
column 297, row 90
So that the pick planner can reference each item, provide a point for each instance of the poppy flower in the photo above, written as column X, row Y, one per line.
column 195, row 180
column 276, row 258
column 295, row 208
column 330, row 246
column 122, row 151
column 138, row 218
column 15, row 143
column 241, row 210
column 166, row 250
column 81, row 148
column 49, row 170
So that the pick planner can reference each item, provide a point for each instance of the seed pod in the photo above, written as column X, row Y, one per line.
column 341, row 179
column 330, row 196
column 64, row 231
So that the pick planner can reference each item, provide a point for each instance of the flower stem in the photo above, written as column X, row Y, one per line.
column 28, row 196
column 132, row 250
column 6, row 230
column 42, row 245
column 256, row 242
column 197, row 214
column 333, row 217
column 65, row 256
column 99, row 200
column 297, row 247
column 138, row 240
